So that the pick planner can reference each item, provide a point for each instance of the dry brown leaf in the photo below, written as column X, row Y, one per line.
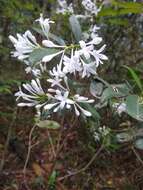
column 37, row 169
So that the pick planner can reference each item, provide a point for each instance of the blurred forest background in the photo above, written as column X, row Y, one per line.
column 121, row 25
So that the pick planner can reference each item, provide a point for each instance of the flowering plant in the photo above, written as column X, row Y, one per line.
column 76, row 61
column 70, row 69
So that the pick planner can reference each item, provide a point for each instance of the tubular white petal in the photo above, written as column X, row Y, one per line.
column 96, row 40
column 56, row 109
column 76, row 110
column 62, row 104
column 25, row 104
column 48, row 58
column 101, row 49
column 103, row 57
column 48, row 43
column 85, row 112
column 13, row 40
column 51, row 90
column 50, row 106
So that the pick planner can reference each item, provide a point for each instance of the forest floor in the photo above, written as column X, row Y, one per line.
column 116, row 170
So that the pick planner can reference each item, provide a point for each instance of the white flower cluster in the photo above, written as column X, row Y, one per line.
column 27, row 43
column 34, row 95
column 76, row 60
column 24, row 44
column 102, row 132
column 91, row 7
column 64, row 7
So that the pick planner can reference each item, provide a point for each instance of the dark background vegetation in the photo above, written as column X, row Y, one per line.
column 122, row 30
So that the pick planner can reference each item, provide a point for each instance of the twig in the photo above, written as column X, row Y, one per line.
column 30, row 146
column 7, row 140
column 137, row 155
column 29, row 151
column 84, row 168
column 51, row 143
column 59, row 147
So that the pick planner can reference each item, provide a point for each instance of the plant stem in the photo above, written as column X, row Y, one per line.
column 29, row 151
column 84, row 168
column 137, row 155
column 51, row 143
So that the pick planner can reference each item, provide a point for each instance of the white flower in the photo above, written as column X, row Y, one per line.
column 95, row 41
column 91, row 7
column 58, row 75
column 57, row 72
column 101, row 133
column 62, row 101
column 64, row 7
column 32, row 97
column 45, row 24
column 28, row 69
column 96, row 136
column 85, row 50
column 34, row 71
column 99, row 56
column 120, row 107
column 72, row 64
column 88, row 69
column 93, row 29
column 55, row 81
column 104, row 131
column 88, row 48
column 81, row 99
column 24, row 45
column 88, row 65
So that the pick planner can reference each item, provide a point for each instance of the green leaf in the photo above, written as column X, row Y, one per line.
column 121, row 8
column 49, row 124
column 93, row 111
column 134, row 108
column 108, row 12
column 139, row 143
column 5, row 89
column 57, row 39
column 96, row 88
column 116, row 91
column 118, row 21
column 39, row 53
column 128, row 5
column 128, row 11
column 52, row 180
column 76, row 28
column 124, row 137
column 135, row 77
